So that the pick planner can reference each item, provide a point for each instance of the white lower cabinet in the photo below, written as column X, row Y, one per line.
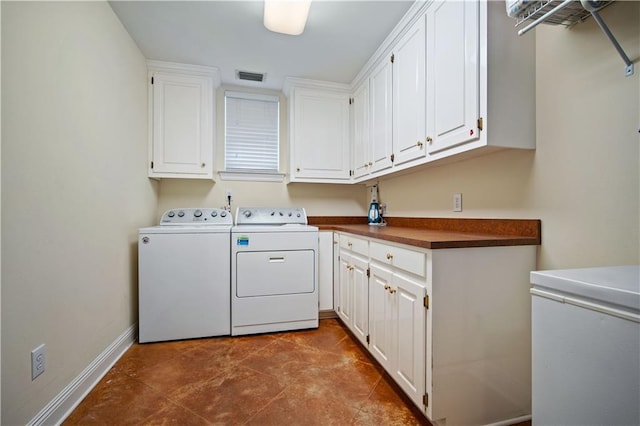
column 353, row 301
column 397, row 321
column 450, row 326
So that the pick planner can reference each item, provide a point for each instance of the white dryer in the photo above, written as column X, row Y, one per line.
column 184, row 275
column 274, row 271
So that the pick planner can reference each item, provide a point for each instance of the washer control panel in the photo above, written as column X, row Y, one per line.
column 270, row 216
column 195, row 216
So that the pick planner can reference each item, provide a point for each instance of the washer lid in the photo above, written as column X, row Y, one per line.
column 619, row 285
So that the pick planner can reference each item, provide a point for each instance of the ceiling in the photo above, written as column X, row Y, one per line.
column 338, row 40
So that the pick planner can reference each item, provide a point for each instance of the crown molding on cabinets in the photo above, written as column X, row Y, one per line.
column 415, row 12
column 196, row 70
column 291, row 82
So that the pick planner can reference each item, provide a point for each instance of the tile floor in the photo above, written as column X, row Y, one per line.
column 311, row 377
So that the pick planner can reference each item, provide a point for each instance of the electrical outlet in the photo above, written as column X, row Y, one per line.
column 383, row 209
column 38, row 361
column 457, row 202
column 229, row 195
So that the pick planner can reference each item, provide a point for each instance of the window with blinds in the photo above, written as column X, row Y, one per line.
column 251, row 132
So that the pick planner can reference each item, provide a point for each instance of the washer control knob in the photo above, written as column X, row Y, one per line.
column 273, row 213
column 247, row 213
column 197, row 213
column 180, row 213
column 281, row 214
column 223, row 214
column 171, row 214
column 290, row 214
column 298, row 215
column 214, row 213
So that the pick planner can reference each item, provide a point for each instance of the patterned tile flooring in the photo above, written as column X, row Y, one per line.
column 309, row 377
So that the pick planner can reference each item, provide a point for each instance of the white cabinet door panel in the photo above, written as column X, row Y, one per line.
column 182, row 124
column 360, row 141
column 381, row 139
column 345, row 298
column 409, row 95
column 360, row 315
column 453, row 74
column 410, row 332
column 381, row 316
column 320, row 135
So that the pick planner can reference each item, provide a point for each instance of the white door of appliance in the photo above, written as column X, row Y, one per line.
column 184, row 285
column 586, row 346
column 271, row 273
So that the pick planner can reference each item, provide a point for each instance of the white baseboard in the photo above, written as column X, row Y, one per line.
column 66, row 401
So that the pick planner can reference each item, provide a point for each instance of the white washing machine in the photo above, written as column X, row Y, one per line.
column 274, row 271
column 184, row 275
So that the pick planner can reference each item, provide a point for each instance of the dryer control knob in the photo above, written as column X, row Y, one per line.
column 247, row 213
column 180, row 213
column 214, row 213
column 197, row 213
column 171, row 214
column 223, row 214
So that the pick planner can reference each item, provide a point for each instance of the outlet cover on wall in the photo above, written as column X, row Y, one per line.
column 38, row 361
column 457, row 202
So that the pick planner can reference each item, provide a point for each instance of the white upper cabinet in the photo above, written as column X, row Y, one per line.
column 181, row 120
column 453, row 74
column 409, row 95
column 380, row 98
column 480, row 80
column 452, row 80
column 360, row 131
column 319, row 134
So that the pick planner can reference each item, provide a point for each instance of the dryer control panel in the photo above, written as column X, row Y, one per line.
column 197, row 216
column 270, row 216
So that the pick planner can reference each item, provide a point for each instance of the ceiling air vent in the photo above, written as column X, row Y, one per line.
column 250, row 76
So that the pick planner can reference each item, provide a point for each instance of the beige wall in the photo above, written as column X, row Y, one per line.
column 583, row 179
column 317, row 199
column 74, row 192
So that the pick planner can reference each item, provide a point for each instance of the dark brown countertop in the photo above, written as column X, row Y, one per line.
column 438, row 233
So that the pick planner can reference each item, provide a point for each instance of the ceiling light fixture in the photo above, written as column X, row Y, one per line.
column 286, row 16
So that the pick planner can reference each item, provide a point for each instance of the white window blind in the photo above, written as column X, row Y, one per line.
column 251, row 132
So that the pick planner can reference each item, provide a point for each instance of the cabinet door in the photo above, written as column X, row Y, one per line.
column 320, row 135
column 409, row 95
column 409, row 336
column 360, row 317
column 381, row 315
column 381, row 138
column 453, row 73
column 345, row 291
column 360, row 142
column 182, row 125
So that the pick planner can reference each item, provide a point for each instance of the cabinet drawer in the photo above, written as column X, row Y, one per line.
column 354, row 244
column 401, row 258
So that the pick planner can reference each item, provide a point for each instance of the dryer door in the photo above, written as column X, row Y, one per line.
column 271, row 273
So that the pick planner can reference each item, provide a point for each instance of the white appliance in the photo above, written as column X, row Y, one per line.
column 274, row 273
column 586, row 346
column 184, row 275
